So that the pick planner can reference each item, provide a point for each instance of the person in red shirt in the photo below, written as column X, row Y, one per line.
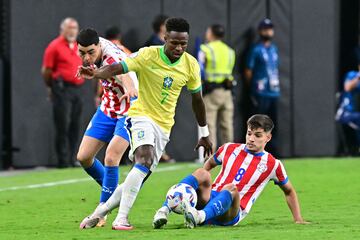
column 59, row 68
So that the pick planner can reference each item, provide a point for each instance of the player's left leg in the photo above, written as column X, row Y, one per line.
column 114, row 152
column 223, row 204
column 231, row 216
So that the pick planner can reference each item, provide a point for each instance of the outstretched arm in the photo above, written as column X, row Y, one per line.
column 293, row 202
column 101, row 73
column 200, row 114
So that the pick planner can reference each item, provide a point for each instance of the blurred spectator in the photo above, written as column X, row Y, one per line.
column 262, row 74
column 346, row 113
column 60, row 64
column 158, row 25
column 113, row 34
column 217, row 62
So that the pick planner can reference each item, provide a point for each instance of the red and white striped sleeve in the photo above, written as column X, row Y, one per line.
column 280, row 177
column 219, row 155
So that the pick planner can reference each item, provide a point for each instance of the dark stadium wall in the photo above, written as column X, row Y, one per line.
column 305, row 34
column 315, row 33
column 34, row 23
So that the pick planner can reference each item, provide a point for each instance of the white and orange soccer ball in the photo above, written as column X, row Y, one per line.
column 178, row 193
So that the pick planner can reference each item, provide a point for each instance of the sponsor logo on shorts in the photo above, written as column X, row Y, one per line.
column 141, row 134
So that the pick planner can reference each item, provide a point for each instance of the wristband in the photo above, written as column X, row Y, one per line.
column 203, row 131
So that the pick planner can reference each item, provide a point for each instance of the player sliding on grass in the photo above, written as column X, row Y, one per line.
column 108, row 123
column 162, row 72
column 246, row 169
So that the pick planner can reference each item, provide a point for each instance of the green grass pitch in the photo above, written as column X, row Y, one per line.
column 329, row 192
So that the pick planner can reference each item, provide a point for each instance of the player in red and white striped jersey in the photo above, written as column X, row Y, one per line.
column 108, row 123
column 246, row 169
column 113, row 88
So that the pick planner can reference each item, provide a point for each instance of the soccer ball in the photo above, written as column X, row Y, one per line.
column 179, row 192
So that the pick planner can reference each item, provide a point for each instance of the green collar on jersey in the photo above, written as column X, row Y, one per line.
column 166, row 59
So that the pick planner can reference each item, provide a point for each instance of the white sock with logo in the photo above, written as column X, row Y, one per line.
column 131, row 188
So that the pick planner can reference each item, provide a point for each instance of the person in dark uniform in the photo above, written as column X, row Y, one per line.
column 158, row 25
column 262, row 74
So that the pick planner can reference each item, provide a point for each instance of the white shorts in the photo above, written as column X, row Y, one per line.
column 144, row 131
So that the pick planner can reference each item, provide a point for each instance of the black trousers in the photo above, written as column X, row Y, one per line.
column 67, row 111
column 268, row 106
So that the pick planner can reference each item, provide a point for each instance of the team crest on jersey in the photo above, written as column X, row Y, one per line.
column 167, row 82
column 262, row 167
column 141, row 134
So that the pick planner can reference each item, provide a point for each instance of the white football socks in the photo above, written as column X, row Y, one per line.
column 114, row 201
column 131, row 187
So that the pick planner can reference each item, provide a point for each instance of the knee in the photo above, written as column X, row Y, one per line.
column 84, row 159
column 203, row 176
column 112, row 159
column 144, row 155
column 231, row 188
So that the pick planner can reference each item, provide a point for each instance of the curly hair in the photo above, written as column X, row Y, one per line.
column 177, row 25
column 87, row 37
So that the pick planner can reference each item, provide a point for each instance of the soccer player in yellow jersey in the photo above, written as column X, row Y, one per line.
column 162, row 72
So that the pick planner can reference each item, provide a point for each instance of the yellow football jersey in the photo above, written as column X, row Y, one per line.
column 160, row 83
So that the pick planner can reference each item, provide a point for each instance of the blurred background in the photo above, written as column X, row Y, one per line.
column 317, row 45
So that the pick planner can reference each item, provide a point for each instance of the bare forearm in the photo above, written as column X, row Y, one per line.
column 293, row 203
column 108, row 71
column 209, row 164
column 248, row 76
column 47, row 76
column 127, row 82
column 199, row 110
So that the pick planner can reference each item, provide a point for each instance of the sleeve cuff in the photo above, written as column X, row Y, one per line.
column 282, row 182
column 125, row 67
column 196, row 90
column 217, row 160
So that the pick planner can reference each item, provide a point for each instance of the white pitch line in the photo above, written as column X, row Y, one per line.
column 77, row 180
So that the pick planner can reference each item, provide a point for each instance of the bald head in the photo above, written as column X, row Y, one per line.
column 69, row 29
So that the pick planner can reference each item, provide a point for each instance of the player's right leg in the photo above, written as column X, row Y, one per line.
column 143, row 160
column 147, row 143
column 113, row 155
column 200, row 180
column 100, row 131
